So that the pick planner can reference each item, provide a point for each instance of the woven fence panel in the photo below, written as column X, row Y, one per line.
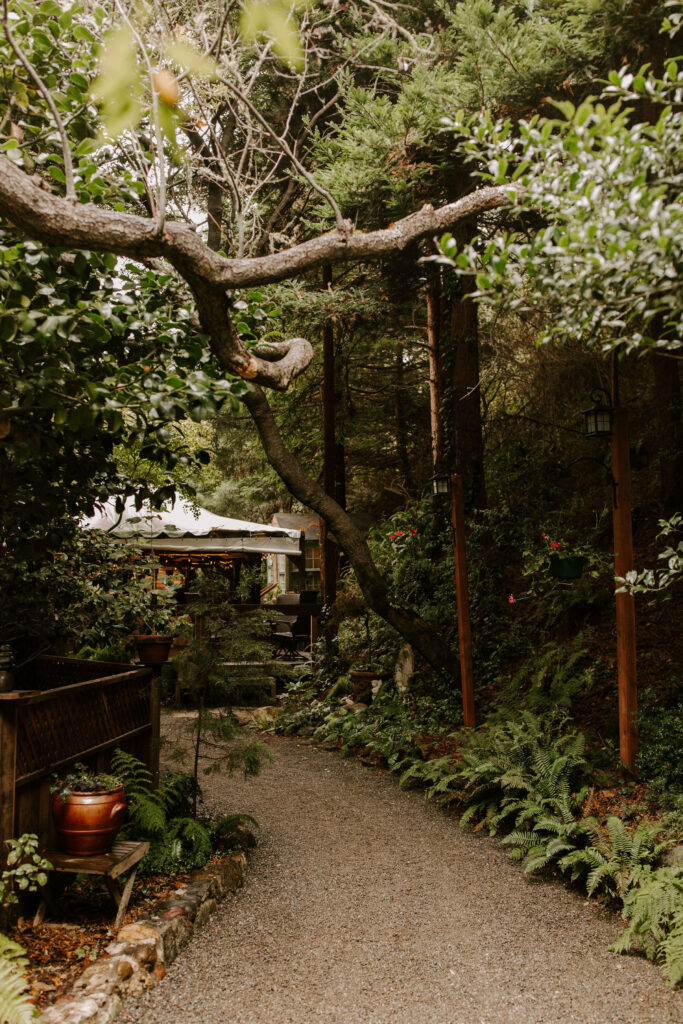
column 65, row 725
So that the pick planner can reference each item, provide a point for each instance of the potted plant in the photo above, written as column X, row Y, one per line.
column 153, row 646
column 363, row 671
column 88, row 809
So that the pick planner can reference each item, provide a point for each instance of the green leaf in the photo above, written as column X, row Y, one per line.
column 118, row 88
column 273, row 19
column 189, row 59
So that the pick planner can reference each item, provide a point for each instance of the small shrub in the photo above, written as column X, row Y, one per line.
column 654, row 910
column 163, row 817
column 15, row 1007
column 661, row 742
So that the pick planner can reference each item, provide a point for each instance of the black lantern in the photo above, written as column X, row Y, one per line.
column 599, row 417
column 441, row 485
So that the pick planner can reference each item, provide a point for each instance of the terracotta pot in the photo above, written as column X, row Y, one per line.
column 153, row 649
column 87, row 823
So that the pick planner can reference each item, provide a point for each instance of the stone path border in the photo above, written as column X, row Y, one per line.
column 138, row 958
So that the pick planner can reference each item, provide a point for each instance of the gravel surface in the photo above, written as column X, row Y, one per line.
column 363, row 903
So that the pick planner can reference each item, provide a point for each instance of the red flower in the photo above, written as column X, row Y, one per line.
column 399, row 533
column 392, row 536
column 543, row 534
column 511, row 599
column 555, row 544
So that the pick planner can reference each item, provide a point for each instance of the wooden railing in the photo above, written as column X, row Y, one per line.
column 67, row 711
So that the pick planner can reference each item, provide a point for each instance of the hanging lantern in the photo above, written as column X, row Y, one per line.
column 441, row 484
column 598, row 418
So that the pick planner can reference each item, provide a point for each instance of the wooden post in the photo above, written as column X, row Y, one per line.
column 464, row 631
column 623, row 563
column 8, row 761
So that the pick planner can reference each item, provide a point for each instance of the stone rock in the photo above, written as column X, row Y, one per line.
column 99, row 980
column 673, row 857
column 228, row 874
column 141, row 981
column 83, row 1011
column 141, row 941
column 124, row 968
column 204, row 913
column 144, row 954
column 174, row 934
column 305, row 730
column 201, row 889
column 168, row 913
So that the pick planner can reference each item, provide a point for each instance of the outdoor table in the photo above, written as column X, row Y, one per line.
column 123, row 856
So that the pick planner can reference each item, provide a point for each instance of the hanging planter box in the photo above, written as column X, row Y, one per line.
column 569, row 567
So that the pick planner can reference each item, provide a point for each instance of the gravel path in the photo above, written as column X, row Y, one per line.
column 364, row 904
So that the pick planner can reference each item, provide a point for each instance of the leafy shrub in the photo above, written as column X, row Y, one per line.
column 178, row 841
column 612, row 860
column 521, row 767
column 552, row 678
column 552, row 839
column 661, row 742
column 25, row 869
column 654, row 910
column 15, row 1007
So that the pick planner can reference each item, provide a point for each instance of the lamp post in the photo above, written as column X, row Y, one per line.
column 603, row 420
column 443, row 485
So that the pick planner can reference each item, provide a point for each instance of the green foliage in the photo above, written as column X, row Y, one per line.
column 661, row 742
column 654, row 909
column 607, row 189
column 25, row 870
column 659, row 581
column 81, row 779
column 15, row 1007
column 520, row 766
column 614, row 859
column 551, row 679
column 552, row 839
column 164, row 818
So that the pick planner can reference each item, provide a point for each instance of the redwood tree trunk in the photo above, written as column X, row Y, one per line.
column 465, row 383
column 435, row 371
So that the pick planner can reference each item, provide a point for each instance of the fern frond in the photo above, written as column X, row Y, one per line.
column 14, row 1005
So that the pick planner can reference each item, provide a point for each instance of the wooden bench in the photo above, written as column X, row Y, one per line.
column 123, row 856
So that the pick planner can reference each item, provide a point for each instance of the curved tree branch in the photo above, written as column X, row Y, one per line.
column 85, row 226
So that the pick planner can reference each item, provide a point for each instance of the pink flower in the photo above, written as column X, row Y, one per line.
column 511, row 599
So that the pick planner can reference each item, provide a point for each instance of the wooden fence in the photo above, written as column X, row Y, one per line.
column 62, row 715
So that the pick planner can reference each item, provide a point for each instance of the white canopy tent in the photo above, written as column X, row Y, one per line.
column 186, row 529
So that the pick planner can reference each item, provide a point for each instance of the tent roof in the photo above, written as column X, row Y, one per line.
column 186, row 528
